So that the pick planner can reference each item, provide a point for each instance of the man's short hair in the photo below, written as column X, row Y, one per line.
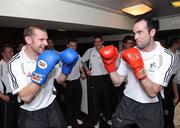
column 4, row 46
column 151, row 24
column 173, row 40
column 28, row 31
column 71, row 40
column 126, row 38
column 97, row 36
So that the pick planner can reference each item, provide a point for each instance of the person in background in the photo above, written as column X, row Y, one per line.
column 148, row 67
column 128, row 42
column 9, row 105
column 73, row 94
column 171, row 92
column 20, row 46
column 176, row 118
column 32, row 72
column 50, row 45
column 99, row 84
column 59, row 88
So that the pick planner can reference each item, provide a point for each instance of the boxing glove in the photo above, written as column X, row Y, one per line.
column 109, row 55
column 133, row 57
column 68, row 59
column 45, row 63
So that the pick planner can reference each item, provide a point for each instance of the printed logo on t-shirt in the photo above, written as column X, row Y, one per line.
column 42, row 64
column 153, row 66
column 153, row 63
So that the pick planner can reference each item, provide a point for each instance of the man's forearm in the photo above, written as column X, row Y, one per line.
column 151, row 88
column 116, row 78
column 28, row 92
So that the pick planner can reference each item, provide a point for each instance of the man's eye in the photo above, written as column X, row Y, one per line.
column 140, row 32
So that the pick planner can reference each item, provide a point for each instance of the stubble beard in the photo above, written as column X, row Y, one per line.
column 142, row 45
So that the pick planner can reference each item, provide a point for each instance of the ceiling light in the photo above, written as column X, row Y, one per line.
column 137, row 9
column 176, row 3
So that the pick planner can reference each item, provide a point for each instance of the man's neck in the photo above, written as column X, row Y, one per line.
column 97, row 49
column 6, row 60
column 150, row 47
column 173, row 49
column 30, row 53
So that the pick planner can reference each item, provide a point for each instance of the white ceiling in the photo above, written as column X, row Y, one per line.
column 13, row 22
column 161, row 8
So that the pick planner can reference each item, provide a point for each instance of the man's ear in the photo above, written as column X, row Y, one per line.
column 28, row 39
column 153, row 32
column 67, row 45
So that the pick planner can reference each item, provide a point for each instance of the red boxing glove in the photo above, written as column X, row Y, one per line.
column 133, row 57
column 109, row 55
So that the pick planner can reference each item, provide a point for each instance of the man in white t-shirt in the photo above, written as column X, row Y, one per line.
column 148, row 68
column 176, row 118
column 32, row 72
column 128, row 42
column 171, row 92
column 99, row 84
column 8, row 102
column 73, row 93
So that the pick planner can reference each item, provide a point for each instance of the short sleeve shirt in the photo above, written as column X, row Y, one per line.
column 177, row 77
column 159, row 65
column 20, row 71
column 96, row 65
column 4, row 75
column 1, row 87
column 75, row 73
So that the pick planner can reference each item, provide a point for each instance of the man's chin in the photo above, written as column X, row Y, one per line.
column 140, row 47
column 41, row 51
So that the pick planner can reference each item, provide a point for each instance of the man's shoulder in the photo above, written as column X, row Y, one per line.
column 16, row 59
column 168, row 52
column 90, row 49
column 169, row 58
column 162, row 50
column 1, row 62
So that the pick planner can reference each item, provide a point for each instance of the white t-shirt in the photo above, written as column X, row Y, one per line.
column 159, row 65
column 4, row 76
column 177, row 70
column 177, row 77
column 20, row 71
column 75, row 73
column 1, row 87
column 95, row 62
column 178, row 57
column 118, row 61
column 177, row 61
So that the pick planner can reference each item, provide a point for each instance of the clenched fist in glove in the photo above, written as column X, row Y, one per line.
column 45, row 63
column 133, row 57
column 68, row 58
column 109, row 55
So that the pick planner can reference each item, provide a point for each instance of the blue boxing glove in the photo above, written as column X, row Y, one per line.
column 68, row 59
column 45, row 63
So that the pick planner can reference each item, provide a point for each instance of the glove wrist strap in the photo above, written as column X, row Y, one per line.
column 140, row 73
column 38, row 78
